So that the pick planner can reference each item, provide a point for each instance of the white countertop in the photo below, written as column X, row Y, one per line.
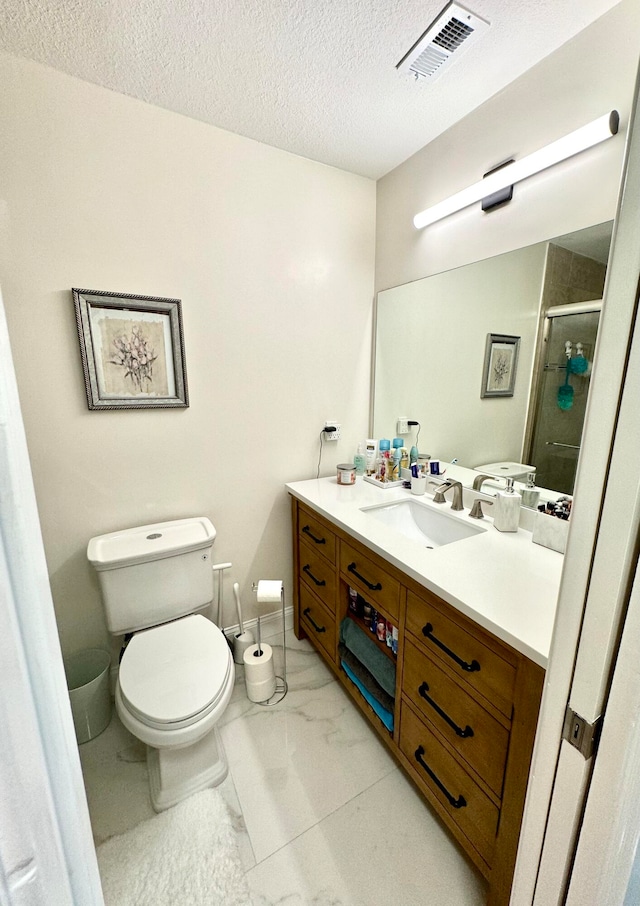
column 501, row 580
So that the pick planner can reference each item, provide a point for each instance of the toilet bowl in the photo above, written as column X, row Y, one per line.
column 174, row 683
column 176, row 673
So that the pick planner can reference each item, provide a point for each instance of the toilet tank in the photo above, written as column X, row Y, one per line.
column 154, row 573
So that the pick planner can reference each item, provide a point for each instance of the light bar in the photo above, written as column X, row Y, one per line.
column 585, row 137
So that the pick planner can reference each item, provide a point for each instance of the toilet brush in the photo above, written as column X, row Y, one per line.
column 242, row 639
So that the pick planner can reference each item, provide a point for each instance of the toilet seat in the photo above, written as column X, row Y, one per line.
column 174, row 675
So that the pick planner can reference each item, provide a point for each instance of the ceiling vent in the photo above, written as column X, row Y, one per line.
column 454, row 30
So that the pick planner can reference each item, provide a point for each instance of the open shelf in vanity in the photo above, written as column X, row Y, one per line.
column 464, row 704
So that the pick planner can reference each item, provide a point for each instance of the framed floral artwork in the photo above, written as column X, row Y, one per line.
column 500, row 362
column 132, row 350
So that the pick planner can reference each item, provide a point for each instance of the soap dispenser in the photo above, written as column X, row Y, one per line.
column 507, row 509
column 531, row 494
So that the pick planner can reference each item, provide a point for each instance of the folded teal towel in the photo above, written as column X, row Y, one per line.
column 381, row 668
column 364, row 677
column 385, row 716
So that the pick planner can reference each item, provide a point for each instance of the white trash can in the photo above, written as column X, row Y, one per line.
column 87, row 675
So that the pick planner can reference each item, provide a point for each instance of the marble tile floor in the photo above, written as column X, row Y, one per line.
column 323, row 814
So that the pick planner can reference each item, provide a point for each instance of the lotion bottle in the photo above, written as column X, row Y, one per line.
column 370, row 454
column 507, row 509
column 359, row 461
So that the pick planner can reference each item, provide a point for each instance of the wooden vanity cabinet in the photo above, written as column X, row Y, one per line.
column 316, row 574
column 466, row 704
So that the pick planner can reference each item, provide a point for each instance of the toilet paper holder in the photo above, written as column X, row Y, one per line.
column 266, row 590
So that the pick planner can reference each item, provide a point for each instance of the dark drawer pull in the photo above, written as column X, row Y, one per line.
column 308, row 532
column 352, row 569
column 463, row 734
column 427, row 630
column 307, row 569
column 311, row 620
column 460, row 802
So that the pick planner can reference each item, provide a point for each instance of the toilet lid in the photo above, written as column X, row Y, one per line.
column 175, row 672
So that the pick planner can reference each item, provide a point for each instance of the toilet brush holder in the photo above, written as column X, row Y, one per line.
column 242, row 641
column 259, row 673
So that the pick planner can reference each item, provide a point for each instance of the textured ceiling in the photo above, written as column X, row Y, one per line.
column 315, row 77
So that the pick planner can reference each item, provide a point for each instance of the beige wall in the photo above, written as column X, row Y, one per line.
column 591, row 75
column 272, row 256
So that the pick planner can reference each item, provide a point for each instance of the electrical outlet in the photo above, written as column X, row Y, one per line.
column 332, row 435
column 402, row 426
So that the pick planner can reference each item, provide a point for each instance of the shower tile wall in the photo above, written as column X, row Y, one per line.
column 571, row 278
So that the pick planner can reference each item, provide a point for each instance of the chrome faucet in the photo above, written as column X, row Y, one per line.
column 439, row 497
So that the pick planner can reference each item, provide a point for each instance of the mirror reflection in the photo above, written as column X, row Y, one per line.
column 431, row 346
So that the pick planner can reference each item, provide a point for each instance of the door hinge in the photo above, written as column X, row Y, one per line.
column 582, row 735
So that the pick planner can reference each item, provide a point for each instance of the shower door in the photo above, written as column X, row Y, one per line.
column 562, row 396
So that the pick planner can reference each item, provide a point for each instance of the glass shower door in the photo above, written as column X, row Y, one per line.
column 562, row 398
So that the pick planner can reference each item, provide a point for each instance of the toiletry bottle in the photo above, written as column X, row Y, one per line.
column 397, row 443
column 395, row 464
column 404, row 460
column 382, row 473
column 371, row 449
column 530, row 494
column 359, row 461
column 507, row 509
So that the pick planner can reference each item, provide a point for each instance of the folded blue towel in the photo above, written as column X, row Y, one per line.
column 381, row 668
column 385, row 716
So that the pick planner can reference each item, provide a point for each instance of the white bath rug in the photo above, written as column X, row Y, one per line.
column 186, row 856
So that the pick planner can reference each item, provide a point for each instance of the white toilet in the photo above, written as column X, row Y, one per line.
column 177, row 673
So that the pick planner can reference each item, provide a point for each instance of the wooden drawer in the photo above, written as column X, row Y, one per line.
column 319, row 575
column 317, row 622
column 479, row 738
column 315, row 532
column 470, row 660
column 371, row 580
column 442, row 778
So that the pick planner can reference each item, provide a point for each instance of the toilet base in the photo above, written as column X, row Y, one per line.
column 175, row 774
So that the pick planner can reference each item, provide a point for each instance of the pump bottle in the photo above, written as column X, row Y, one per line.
column 507, row 509
column 359, row 461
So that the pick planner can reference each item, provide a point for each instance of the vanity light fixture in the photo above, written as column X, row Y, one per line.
column 585, row 137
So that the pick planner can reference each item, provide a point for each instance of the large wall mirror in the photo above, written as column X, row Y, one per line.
column 431, row 345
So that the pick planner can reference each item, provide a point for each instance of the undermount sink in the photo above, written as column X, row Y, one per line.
column 421, row 522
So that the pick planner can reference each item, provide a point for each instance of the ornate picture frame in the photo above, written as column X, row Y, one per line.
column 500, row 364
column 132, row 350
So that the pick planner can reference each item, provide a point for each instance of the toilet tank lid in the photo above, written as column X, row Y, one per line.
column 505, row 469
column 150, row 542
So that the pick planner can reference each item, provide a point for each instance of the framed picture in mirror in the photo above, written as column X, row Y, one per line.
column 500, row 363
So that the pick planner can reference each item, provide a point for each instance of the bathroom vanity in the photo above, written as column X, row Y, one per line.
column 474, row 617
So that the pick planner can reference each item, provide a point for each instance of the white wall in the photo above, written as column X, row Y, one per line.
column 430, row 351
column 272, row 256
column 591, row 75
